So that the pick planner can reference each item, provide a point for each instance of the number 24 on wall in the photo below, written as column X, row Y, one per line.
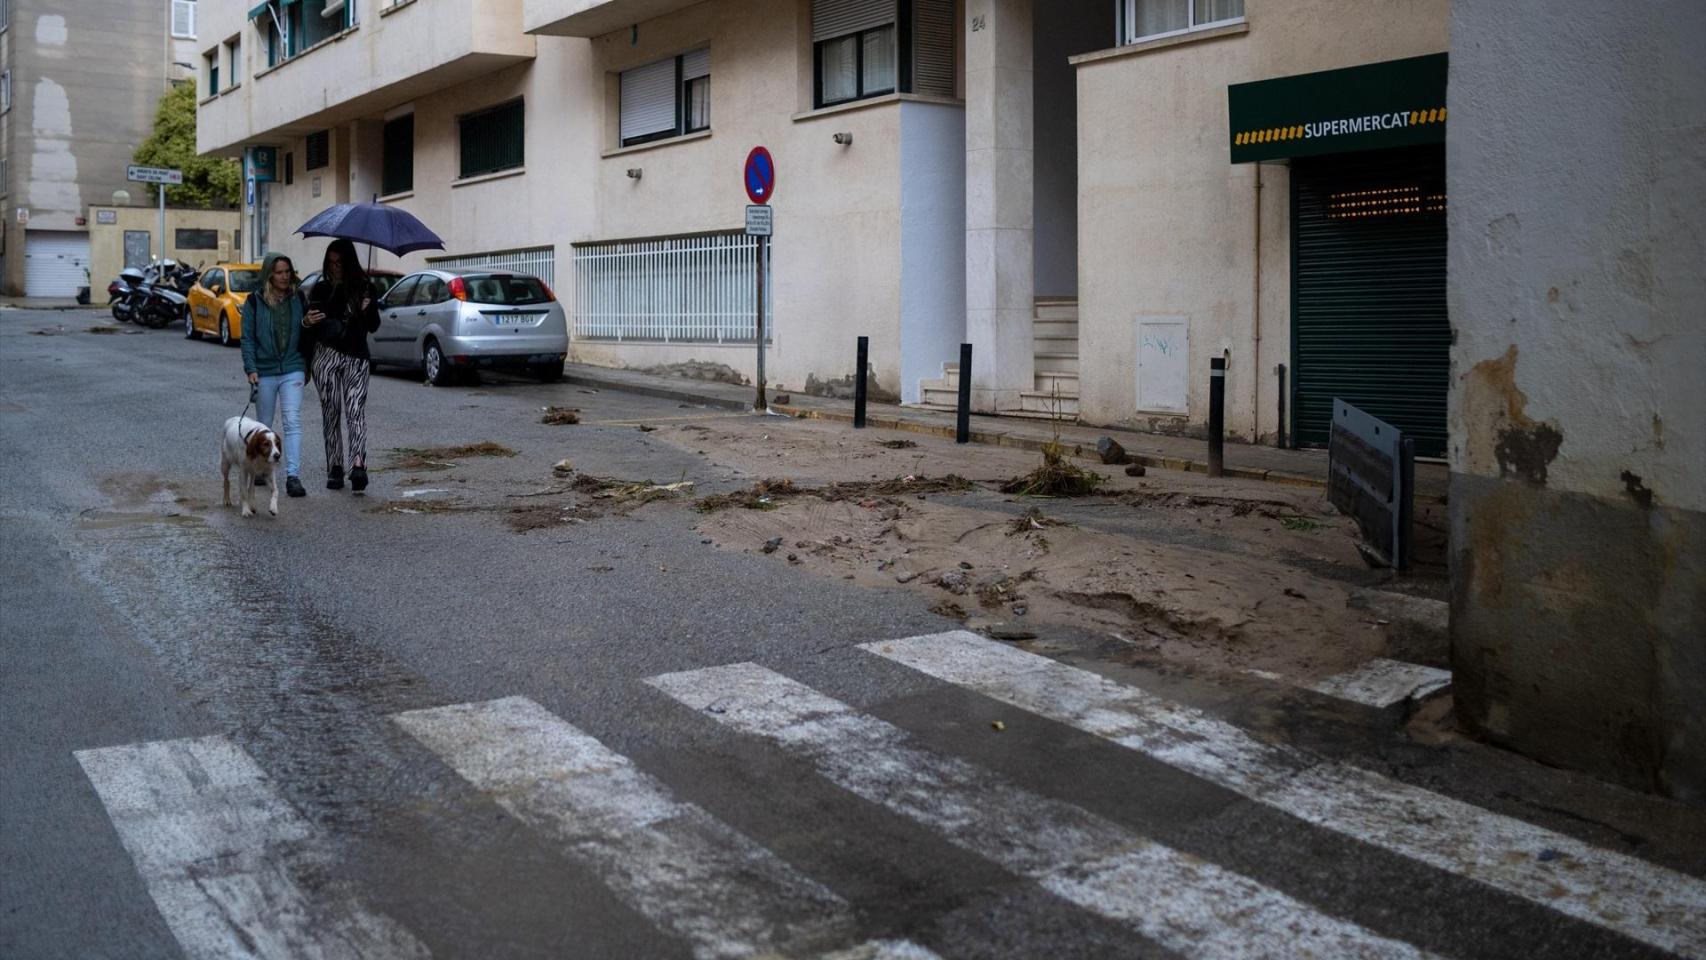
column 979, row 22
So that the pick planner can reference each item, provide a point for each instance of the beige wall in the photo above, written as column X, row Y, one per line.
column 106, row 240
column 1167, row 223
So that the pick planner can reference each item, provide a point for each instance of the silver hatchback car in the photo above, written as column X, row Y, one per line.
column 447, row 323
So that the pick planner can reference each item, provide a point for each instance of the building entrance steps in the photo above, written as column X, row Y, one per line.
column 1244, row 461
column 1054, row 364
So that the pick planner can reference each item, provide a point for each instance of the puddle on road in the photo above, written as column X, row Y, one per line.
column 308, row 701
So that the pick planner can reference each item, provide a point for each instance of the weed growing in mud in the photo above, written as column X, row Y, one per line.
column 1300, row 524
column 1055, row 478
column 898, row 444
column 561, row 416
column 441, row 458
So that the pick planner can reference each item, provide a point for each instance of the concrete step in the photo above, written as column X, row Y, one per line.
column 1055, row 363
column 947, row 397
column 1061, row 407
column 1054, row 345
column 1056, row 309
column 1054, row 328
column 1064, row 382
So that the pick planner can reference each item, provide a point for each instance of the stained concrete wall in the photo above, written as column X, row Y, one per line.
column 87, row 76
column 106, row 240
column 1167, row 224
column 1576, row 166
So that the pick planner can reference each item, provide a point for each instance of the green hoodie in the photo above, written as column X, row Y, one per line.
column 269, row 350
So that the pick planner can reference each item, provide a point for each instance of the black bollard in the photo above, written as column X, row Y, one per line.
column 1216, row 416
column 859, row 383
column 1280, row 372
column 962, row 419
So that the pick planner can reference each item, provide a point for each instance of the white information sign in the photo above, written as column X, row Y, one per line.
column 760, row 220
column 138, row 174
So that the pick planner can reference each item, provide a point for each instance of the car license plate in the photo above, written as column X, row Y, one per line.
column 513, row 320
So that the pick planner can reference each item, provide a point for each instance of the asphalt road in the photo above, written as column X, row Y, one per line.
column 352, row 731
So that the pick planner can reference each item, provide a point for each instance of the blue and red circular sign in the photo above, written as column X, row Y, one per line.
column 760, row 175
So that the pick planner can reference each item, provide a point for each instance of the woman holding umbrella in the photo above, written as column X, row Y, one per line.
column 341, row 313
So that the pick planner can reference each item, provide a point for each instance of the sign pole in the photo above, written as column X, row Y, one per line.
column 761, row 404
column 162, row 188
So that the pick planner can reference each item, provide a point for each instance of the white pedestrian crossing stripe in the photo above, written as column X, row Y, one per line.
column 221, row 854
column 684, row 870
column 1179, row 901
column 1644, row 901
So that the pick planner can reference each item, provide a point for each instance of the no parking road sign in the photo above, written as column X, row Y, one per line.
column 760, row 175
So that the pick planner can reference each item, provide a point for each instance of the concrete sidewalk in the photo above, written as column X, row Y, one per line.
column 1299, row 467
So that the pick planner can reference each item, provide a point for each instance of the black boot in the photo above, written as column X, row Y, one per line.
column 358, row 479
column 335, row 478
column 293, row 487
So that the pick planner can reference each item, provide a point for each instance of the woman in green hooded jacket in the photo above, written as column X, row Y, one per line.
column 273, row 358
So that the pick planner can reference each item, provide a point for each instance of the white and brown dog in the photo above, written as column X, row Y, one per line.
column 253, row 446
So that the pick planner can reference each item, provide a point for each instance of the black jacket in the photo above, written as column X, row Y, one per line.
column 347, row 325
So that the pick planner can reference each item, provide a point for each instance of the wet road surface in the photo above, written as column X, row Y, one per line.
column 352, row 731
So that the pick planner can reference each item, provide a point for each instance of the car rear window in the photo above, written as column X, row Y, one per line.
column 507, row 289
column 245, row 281
column 382, row 283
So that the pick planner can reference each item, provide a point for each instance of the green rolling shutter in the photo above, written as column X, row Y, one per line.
column 1368, row 312
column 494, row 139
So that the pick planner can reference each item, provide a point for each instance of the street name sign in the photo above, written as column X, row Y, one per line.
column 138, row 174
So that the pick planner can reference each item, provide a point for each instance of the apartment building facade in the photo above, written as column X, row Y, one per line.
column 79, row 83
column 1058, row 184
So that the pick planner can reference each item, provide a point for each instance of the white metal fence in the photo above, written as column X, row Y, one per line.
column 697, row 289
column 538, row 262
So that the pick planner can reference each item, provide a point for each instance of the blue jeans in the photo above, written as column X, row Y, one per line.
column 287, row 388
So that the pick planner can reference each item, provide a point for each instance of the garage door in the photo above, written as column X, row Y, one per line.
column 1369, row 322
column 54, row 262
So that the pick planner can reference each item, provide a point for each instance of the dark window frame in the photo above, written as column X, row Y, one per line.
column 902, row 27
column 205, row 238
column 318, row 150
column 397, row 156
column 471, row 127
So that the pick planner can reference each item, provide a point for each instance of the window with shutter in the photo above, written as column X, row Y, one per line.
column 493, row 140
column 868, row 48
column 933, row 47
column 666, row 99
column 183, row 19
column 318, row 150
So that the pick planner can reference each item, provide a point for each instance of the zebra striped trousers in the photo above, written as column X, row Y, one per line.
column 342, row 382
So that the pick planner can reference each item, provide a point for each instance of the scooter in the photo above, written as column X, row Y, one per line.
column 167, row 298
column 121, row 293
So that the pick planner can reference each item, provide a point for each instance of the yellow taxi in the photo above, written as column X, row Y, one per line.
column 216, row 301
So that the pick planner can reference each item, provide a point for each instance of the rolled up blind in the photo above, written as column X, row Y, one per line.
column 696, row 64
column 933, row 47
column 837, row 18
column 648, row 99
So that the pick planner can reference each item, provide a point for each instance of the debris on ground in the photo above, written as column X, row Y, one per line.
column 898, row 444
column 560, row 416
column 1031, row 521
column 905, row 576
column 997, row 726
column 539, row 516
column 1110, row 450
column 996, row 591
column 1135, row 470
column 782, row 398
column 646, row 428
column 443, row 458
column 1001, row 631
column 763, row 495
column 563, row 468
column 104, row 330
column 899, row 486
column 956, row 583
column 772, row 545
column 424, row 505
column 949, row 609
column 1056, row 477
column 630, row 493
column 1300, row 524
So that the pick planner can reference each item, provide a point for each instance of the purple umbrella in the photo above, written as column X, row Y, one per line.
column 377, row 224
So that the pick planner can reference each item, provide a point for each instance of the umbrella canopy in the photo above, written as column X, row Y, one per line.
column 385, row 227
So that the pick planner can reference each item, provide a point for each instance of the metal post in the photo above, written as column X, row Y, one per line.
column 1404, row 550
column 859, row 383
column 1216, row 416
column 1279, row 370
column 761, row 404
column 162, row 190
column 962, row 419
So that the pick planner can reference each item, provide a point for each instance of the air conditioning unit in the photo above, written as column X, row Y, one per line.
column 334, row 9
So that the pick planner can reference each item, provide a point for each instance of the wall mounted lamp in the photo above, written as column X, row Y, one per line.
column 845, row 139
column 634, row 173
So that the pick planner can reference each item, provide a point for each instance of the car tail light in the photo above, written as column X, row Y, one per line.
column 548, row 294
column 458, row 289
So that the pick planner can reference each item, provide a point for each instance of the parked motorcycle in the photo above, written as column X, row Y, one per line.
column 121, row 293
column 167, row 296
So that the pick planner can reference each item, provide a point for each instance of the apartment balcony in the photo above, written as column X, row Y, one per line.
column 593, row 18
column 399, row 51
